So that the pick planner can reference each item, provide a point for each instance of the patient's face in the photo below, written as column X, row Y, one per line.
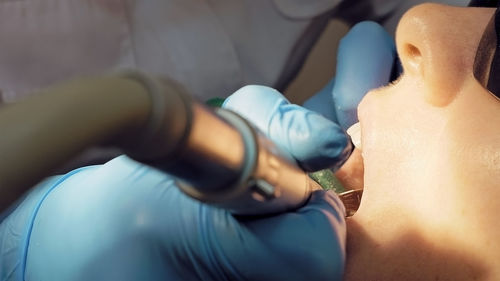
column 431, row 149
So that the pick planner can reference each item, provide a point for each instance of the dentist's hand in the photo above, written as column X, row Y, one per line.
column 126, row 221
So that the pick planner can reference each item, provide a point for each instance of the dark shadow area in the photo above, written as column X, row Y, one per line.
column 409, row 258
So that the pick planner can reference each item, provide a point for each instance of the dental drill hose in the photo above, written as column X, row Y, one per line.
column 44, row 131
column 219, row 158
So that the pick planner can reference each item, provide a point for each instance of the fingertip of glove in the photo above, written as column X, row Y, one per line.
column 316, row 142
column 368, row 31
column 352, row 47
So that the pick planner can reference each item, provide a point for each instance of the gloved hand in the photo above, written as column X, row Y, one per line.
column 366, row 60
column 126, row 221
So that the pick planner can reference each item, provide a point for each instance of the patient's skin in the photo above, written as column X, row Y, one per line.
column 431, row 149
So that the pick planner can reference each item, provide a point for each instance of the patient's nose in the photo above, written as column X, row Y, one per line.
column 437, row 45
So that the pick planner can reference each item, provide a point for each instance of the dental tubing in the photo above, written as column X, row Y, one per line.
column 217, row 156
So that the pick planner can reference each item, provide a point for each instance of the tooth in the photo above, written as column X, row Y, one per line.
column 355, row 132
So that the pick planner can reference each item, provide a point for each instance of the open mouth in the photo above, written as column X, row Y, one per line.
column 352, row 198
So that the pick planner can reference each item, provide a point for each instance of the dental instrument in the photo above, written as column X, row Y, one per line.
column 218, row 157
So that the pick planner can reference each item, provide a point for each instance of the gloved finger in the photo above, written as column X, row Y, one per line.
column 314, row 141
column 322, row 102
column 308, row 244
column 366, row 59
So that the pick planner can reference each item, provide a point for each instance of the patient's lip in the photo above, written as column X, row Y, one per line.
column 355, row 132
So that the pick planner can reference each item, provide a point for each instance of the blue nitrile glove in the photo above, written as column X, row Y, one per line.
column 126, row 221
column 313, row 140
column 366, row 60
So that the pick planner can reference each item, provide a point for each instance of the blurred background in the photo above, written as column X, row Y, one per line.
column 319, row 67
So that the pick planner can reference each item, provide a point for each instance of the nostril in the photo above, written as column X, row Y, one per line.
column 412, row 51
column 413, row 55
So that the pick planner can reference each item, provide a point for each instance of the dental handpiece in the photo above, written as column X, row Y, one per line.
column 217, row 156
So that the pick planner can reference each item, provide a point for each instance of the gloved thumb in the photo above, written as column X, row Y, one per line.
column 314, row 141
